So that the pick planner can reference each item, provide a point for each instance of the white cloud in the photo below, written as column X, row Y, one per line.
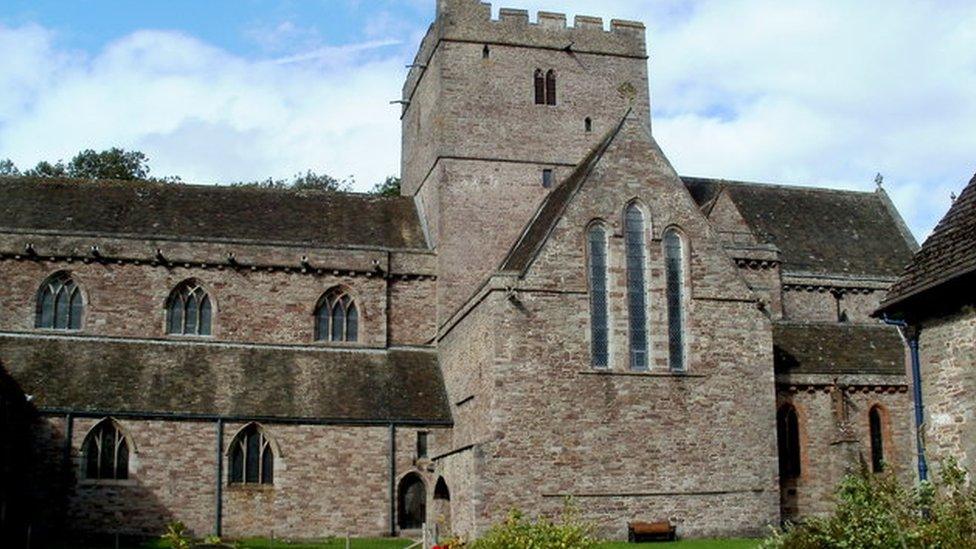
column 201, row 112
column 804, row 92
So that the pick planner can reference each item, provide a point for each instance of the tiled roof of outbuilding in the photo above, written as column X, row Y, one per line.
column 950, row 251
column 207, row 212
column 153, row 377
column 818, row 231
column 806, row 348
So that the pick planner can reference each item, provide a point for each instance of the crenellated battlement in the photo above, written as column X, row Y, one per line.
column 471, row 21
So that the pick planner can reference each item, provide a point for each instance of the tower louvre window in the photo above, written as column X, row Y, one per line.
column 551, row 87
column 599, row 317
column 636, row 287
column 540, row 87
column 674, row 254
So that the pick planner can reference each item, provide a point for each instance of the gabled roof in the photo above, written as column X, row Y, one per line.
column 818, row 231
column 164, row 378
column 209, row 212
column 806, row 348
column 553, row 206
column 947, row 254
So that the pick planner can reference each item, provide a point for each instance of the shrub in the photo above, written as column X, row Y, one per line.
column 877, row 511
column 177, row 536
column 569, row 532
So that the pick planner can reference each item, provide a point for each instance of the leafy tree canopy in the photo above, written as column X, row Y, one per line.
column 390, row 187
column 116, row 163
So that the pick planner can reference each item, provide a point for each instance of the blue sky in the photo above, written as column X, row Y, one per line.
column 804, row 92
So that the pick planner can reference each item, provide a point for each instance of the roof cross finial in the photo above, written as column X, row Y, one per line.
column 879, row 180
column 952, row 196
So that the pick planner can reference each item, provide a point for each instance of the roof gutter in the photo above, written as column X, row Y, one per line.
column 911, row 336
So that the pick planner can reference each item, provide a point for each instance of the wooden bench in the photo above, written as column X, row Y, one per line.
column 650, row 531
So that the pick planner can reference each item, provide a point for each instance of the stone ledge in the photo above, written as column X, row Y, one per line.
column 639, row 374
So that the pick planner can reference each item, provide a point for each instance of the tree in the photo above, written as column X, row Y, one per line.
column 302, row 181
column 114, row 163
column 7, row 167
column 46, row 169
column 390, row 187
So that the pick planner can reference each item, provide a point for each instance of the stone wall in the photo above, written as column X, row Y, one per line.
column 835, row 437
column 948, row 357
column 328, row 480
column 254, row 306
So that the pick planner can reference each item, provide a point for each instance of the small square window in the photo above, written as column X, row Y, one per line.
column 547, row 178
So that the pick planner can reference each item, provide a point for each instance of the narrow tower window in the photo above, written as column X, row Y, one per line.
column 421, row 444
column 547, row 178
column 788, row 439
column 551, row 87
column 599, row 324
column 877, row 440
column 485, row 52
column 588, row 124
column 636, row 287
column 59, row 303
column 674, row 265
column 540, row 88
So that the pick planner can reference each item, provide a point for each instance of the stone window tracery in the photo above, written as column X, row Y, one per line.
column 60, row 305
column 189, row 310
column 337, row 317
column 251, row 457
column 106, row 452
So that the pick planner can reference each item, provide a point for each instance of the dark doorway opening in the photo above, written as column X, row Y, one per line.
column 411, row 502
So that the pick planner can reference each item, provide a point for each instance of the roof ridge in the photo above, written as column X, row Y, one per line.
column 782, row 186
column 221, row 187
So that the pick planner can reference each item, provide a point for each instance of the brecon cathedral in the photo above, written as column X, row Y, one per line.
column 547, row 311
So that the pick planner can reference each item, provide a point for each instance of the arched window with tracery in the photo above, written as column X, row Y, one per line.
column 788, row 440
column 599, row 316
column 106, row 452
column 60, row 305
column 337, row 317
column 189, row 310
column 251, row 457
column 876, row 424
column 636, row 286
column 674, row 258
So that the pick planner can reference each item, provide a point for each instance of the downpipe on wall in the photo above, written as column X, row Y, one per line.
column 911, row 336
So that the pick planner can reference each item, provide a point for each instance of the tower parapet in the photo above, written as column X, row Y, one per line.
column 471, row 21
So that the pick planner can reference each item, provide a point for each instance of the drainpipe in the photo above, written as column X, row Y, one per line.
column 219, row 500
column 393, row 505
column 911, row 336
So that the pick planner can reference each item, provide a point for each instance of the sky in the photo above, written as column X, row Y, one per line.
column 824, row 93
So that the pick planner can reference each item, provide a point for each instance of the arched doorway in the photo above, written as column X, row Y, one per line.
column 442, row 507
column 411, row 502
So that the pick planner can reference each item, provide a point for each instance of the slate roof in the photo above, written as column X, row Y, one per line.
column 948, row 253
column 209, row 212
column 153, row 377
column 818, row 231
column 807, row 348
column 553, row 206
